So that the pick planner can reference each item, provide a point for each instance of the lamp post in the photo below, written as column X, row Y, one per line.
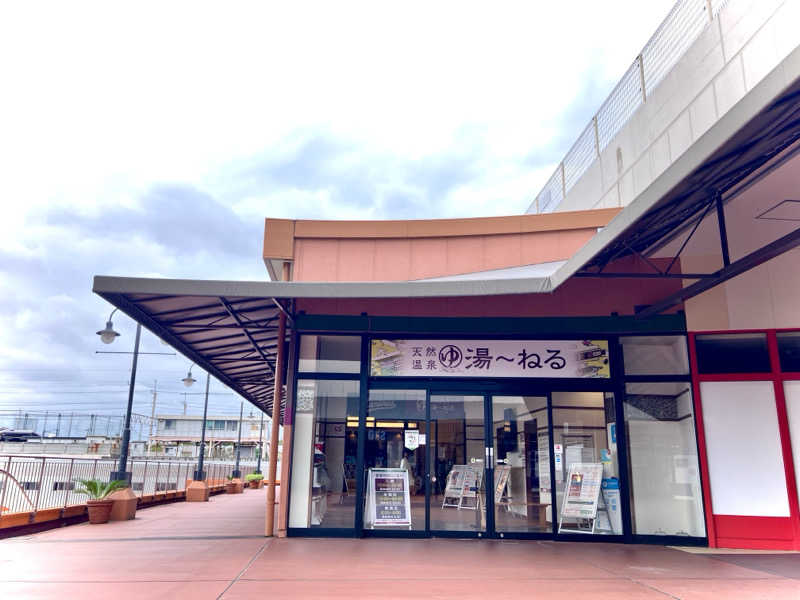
column 199, row 474
column 260, row 446
column 107, row 336
column 198, row 491
column 237, row 474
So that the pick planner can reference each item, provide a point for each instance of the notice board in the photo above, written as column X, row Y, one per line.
column 388, row 498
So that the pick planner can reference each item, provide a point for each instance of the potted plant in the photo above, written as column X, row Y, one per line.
column 99, row 505
column 231, row 486
column 255, row 480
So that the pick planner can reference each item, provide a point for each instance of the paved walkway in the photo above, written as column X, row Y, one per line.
column 216, row 550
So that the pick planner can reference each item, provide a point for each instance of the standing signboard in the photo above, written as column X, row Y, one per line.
column 581, row 495
column 388, row 498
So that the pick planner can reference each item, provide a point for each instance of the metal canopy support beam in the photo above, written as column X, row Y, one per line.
column 249, row 335
column 723, row 231
column 644, row 275
column 760, row 256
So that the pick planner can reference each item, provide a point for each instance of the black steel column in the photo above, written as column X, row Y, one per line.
column 199, row 474
column 260, row 442
column 237, row 474
column 122, row 473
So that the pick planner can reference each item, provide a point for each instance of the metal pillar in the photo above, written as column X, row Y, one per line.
column 260, row 442
column 237, row 474
column 199, row 474
column 122, row 472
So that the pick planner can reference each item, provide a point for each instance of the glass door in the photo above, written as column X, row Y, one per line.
column 458, row 459
column 520, row 435
column 395, row 461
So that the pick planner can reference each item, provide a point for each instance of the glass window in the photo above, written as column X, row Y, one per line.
column 666, row 497
column 732, row 353
column 330, row 354
column 655, row 355
column 585, row 457
column 169, row 424
column 324, row 455
column 233, row 425
column 789, row 351
column 522, row 491
column 458, row 468
column 395, row 422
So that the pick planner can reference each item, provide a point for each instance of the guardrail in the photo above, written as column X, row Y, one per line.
column 677, row 32
column 30, row 484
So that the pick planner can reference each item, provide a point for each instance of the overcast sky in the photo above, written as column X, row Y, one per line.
column 151, row 139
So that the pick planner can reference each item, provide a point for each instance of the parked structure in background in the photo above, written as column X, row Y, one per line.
column 179, row 435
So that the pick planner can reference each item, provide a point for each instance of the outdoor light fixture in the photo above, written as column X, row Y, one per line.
column 108, row 334
column 189, row 380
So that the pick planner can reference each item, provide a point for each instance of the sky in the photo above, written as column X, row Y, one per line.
column 151, row 139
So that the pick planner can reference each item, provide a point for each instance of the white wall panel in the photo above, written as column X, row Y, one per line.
column 791, row 390
column 743, row 447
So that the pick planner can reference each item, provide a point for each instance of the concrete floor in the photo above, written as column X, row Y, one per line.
column 217, row 550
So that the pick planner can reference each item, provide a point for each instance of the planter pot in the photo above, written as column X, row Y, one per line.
column 99, row 511
column 255, row 484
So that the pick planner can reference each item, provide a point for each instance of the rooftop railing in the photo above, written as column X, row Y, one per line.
column 677, row 32
column 30, row 484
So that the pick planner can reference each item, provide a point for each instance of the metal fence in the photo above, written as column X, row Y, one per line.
column 682, row 26
column 28, row 483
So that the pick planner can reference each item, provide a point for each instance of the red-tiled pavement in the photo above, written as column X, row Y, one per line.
column 217, row 550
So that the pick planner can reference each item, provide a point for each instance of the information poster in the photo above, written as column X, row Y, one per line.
column 582, row 491
column 389, row 499
column 500, row 481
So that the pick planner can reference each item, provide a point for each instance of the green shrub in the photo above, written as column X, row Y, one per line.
column 97, row 489
column 254, row 477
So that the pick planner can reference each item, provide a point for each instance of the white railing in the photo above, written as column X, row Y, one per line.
column 681, row 27
column 29, row 483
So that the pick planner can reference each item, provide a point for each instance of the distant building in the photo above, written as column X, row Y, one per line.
column 179, row 435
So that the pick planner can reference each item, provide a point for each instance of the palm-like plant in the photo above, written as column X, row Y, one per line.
column 97, row 489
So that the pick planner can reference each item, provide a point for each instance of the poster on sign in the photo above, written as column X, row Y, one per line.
column 582, row 491
column 490, row 358
column 388, row 499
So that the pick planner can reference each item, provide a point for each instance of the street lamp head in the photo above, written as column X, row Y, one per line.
column 108, row 334
column 188, row 380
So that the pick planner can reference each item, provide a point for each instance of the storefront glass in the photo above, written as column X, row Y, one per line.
column 522, row 490
column 329, row 354
column 585, row 457
column 395, row 460
column 732, row 353
column 458, row 501
column 324, row 456
column 666, row 497
column 655, row 355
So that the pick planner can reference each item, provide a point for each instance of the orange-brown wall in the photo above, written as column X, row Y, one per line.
column 408, row 250
column 577, row 297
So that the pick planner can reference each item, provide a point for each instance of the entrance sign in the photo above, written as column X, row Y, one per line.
column 412, row 439
column 490, row 358
column 388, row 499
